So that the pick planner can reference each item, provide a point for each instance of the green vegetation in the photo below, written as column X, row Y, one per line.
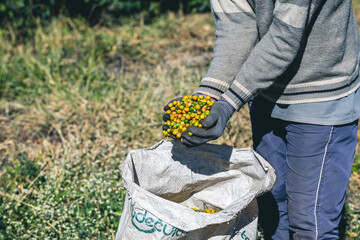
column 21, row 14
column 73, row 104
column 75, row 99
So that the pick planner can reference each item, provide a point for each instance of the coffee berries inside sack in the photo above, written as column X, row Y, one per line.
column 189, row 111
column 205, row 210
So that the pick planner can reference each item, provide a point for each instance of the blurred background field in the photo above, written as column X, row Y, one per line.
column 81, row 85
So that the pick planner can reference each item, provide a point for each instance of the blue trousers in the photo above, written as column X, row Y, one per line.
column 313, row 165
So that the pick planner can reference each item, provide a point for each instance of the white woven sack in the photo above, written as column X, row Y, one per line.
column 165, row 181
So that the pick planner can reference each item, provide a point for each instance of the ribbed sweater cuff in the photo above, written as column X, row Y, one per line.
column 236, row 98
column 212, row 87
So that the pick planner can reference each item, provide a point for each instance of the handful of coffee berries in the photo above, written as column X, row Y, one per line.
column 189, row 111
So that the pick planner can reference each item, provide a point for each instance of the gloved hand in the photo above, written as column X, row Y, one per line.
column 166, row 116
column 213, row 125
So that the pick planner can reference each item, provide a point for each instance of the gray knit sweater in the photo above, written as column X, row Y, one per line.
column 289, row 51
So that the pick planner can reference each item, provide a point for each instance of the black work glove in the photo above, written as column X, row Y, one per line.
column 166, row 116
column 213, row 125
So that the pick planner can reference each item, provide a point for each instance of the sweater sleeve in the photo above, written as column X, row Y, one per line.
column 275, row 52
column 236, row 35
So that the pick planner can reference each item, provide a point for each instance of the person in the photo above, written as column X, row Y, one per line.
column 297, row 65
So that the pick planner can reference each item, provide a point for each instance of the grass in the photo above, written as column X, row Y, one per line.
column 73, row 102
